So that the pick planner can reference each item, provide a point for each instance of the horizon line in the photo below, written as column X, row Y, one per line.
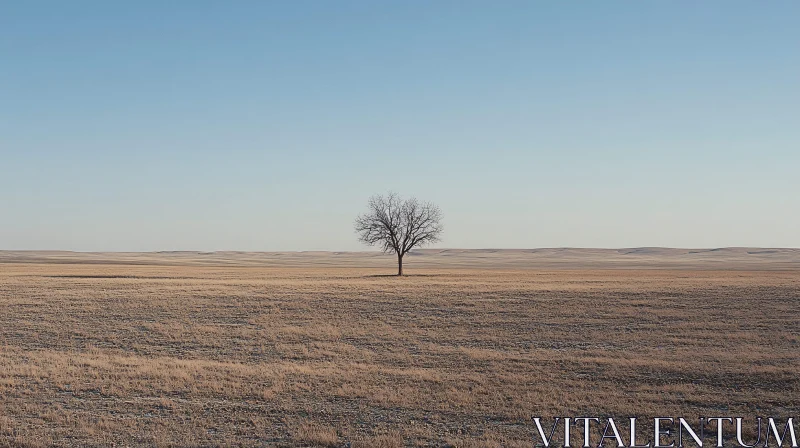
column 413, row 250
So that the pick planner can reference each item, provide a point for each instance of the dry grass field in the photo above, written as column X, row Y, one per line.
column 185, row 354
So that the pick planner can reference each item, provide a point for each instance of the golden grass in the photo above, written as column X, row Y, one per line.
column 188, row 355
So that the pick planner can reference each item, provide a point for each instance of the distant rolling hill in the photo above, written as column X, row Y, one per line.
column 553, row 258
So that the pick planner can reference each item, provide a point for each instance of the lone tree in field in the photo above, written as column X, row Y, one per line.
column 398, row 225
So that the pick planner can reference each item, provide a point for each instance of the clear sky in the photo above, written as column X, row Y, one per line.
column 266, row 125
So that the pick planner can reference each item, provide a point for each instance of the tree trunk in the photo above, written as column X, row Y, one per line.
column 399, row 264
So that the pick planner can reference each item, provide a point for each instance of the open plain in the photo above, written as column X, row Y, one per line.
column 323, row 349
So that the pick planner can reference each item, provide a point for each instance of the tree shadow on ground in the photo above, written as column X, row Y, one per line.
column 402, row 276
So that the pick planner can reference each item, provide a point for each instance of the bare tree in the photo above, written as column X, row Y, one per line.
column 398, row 225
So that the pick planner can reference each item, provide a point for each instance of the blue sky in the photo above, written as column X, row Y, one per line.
column 199, row 125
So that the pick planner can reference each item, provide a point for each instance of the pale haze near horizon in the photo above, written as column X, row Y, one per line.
column 266, row 126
